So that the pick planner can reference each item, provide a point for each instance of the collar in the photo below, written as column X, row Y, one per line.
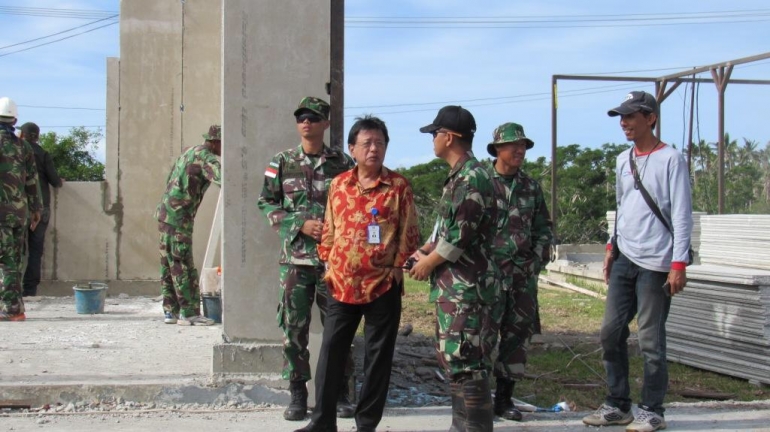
column 384, row 178
column 460, row 163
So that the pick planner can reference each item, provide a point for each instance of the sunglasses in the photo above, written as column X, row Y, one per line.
column 312, row 118
column 436, row 132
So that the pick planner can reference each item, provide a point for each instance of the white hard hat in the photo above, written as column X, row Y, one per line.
column 8, row 108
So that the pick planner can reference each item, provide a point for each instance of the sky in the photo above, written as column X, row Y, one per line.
column 404, row 60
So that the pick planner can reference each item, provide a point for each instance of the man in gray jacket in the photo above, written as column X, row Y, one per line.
column 648, row 266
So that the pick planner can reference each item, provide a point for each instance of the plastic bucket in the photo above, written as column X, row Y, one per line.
column 212, row 307
column 89, row 299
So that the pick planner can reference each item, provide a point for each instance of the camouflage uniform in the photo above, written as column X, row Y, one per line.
column 465, row 287
column 295, row 190
column 19, row 195
column 521, row 245
column 193, row 172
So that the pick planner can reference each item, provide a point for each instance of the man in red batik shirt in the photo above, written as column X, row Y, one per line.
column 370, row 230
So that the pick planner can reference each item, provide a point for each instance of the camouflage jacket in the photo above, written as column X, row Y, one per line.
column 463, row 236
column 192, row 174
column 19, row 191
column 295, row 190
column 524, row 235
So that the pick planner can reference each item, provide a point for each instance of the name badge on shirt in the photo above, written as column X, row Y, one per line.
column 373, row 230
column 373, row 234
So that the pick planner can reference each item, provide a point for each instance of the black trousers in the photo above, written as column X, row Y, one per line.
column 35, row 243
column 381, row 320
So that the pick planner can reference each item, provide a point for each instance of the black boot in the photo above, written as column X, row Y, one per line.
column 478, row 405
column 297, row 409
column 504, row 406
column 458, row 407
column 344, row 408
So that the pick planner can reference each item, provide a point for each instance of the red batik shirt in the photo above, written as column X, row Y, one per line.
column 357, row 271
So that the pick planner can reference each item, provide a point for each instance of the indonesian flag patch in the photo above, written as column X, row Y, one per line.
column 272, row 170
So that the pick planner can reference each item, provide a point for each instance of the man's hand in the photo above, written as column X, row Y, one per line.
column 677, row 279
column 35, row 219
column 607, row 268
column 312, row 228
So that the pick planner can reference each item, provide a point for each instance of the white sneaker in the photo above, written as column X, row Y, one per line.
column 647, row 421
column 169, row 318
column 607, row 415
column 195, row 320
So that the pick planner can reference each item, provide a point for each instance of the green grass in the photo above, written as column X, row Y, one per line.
column 554, row 373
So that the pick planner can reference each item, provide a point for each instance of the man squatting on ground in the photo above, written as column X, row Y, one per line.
column 370, row 230
column 648, row 266
column 192, row 174
column 463, row 275
column 522, row 244
column 293, row 200
column 20, row 203
column 47, row 177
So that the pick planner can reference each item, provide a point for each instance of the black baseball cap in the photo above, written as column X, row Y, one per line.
column 635, row 101
column 455, row 118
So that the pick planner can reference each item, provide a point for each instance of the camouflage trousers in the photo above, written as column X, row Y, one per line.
column 11, row 256
column 465, row 337
column 178, row 276
column 300, row 287
column 515, row 315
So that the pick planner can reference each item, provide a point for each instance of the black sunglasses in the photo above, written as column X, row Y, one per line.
column 312, row 118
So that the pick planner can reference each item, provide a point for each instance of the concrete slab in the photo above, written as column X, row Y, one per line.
column 57, row 355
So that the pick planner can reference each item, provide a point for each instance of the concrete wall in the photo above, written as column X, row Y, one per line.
column 162, row 94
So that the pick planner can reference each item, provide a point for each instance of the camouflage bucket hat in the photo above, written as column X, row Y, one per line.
column 215, row 133
column 314, row 104
column 507, row 133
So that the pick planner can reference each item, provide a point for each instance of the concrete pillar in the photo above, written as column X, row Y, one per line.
column 274, row 53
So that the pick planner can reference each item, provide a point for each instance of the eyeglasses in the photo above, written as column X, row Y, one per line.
column 436, row 132
column 369, row 144
column 312, row 118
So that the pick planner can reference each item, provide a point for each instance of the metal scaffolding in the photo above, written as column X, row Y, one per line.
column 720, row 76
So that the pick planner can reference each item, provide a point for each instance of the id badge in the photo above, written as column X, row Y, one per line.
column 373, row 234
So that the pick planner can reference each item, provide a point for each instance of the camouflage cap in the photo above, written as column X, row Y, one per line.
column 507, row 133
column 215, row 133
column 314, row 104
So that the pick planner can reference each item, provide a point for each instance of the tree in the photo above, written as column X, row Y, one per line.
column 74, row 154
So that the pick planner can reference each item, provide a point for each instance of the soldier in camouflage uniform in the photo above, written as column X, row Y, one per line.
column 193, row 172
column 521, row 245
column 463, row 275
column 293, row 200
column 20, row 203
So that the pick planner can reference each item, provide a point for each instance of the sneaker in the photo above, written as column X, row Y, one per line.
column 170, row 318
column 607, row 415
column 8, row 317
column 646, row 421
column 195, row 320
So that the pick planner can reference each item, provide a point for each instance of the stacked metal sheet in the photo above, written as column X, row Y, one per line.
column 721, row 321
column 740, row 240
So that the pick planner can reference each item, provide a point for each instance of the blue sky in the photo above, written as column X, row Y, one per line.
column 501, row 71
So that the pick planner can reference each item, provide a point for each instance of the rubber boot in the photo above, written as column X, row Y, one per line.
column 478, row 405
column 297, row 409
column 458, row 407
column 345, row 409
column 504, row 406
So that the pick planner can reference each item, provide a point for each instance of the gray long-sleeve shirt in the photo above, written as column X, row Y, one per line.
column 642, row 237
column 46, row 173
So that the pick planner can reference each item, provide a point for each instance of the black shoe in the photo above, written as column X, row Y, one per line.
column 297, row 409
column 504, row 406
column 312, row 427
column 345, row 409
